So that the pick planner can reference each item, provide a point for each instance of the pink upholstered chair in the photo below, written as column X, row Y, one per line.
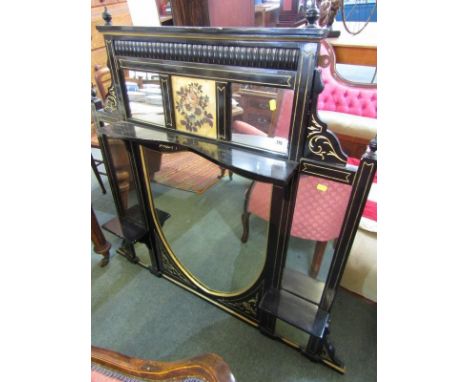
column 318, row 213
column 320, row 204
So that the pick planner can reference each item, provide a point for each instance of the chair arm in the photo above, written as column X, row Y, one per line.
column 208, row 367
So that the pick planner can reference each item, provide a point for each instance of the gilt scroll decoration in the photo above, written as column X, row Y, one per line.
column 323, row 145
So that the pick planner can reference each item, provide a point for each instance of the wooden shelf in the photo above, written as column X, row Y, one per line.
column 131, row 227
column 248, row 162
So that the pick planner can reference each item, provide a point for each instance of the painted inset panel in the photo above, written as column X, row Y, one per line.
column 195, row 105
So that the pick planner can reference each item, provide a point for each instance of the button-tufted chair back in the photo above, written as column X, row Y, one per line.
column 344, row 96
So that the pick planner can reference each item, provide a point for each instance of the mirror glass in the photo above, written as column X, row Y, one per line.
column 291, row 333
column 131, row 224
column 123, row 174
column 144, row 96
column 205, row 206
column 318, row 216
column 261, row 116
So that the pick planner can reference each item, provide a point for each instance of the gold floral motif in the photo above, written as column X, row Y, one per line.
column 192, row 104
column 195, row 105
column 248, row 307
column 111, row 101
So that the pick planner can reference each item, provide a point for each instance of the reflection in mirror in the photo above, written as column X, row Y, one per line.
column 261, row 116
column 143, row 255
column 125, row 180
column 318, row 216
column 205, row 203
column 144, row 96
column 294, row 335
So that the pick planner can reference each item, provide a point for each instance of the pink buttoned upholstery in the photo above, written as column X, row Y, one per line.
column 318, row 215
column 341, row 96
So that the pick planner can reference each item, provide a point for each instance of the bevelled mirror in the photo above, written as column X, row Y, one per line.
column 144, row 96
column 205, row 204
column 261, row 116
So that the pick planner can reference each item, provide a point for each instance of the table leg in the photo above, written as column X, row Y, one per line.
column 317, row 258
column 101, row 245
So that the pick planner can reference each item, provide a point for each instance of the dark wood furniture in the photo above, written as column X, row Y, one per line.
column 119, row 367
column 120, row 16
column 356, row 50
column 256, row 109
column 327, row 10
column 95, row 163
column 101, row 245
column 282, row 58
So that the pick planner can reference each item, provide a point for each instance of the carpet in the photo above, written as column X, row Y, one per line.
column 187, row 171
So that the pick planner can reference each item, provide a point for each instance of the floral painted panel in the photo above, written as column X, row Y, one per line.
column 195, row 105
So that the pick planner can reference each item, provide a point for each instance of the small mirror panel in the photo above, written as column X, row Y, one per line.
column 261, row 116
column 144, row 96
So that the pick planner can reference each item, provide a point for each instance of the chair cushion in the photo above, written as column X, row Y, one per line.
column 319, row 211
column 318, row 214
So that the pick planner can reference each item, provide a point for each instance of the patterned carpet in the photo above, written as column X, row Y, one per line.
column 187, row 171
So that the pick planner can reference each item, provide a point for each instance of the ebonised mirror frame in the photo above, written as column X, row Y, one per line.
column 281, row 58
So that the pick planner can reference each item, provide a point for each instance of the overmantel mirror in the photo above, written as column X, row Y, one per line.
column 243, row 196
